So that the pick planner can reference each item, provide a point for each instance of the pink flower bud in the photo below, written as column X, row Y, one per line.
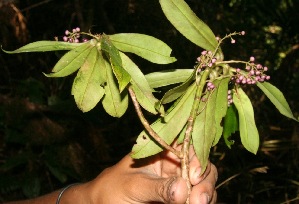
column 204, row 52
column 65, row 38
column 243, row 32
column 252, row 59
column 233, row 41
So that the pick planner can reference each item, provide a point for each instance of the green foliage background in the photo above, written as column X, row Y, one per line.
column 46, row 142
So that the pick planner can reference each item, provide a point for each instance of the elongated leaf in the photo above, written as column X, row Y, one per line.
column 140, row 85
column 168, row 129
column 204, row 130
column 147, row 47
column 221, row 107
column 230, row 125
column 114, row 102
column 168, row 77
column 277, row 98
column 123, row 77
column 176, row 92
column 248, row 131
column 71, row 61
column 43, row 46
column 188, row 24
column 88, row 84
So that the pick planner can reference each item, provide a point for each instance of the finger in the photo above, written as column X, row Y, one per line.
column 214, row 198
column 195, row 173
column 146, row 188
column 203, row 192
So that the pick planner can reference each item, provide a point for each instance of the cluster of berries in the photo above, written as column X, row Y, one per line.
column 254, row 73
column 72, row 36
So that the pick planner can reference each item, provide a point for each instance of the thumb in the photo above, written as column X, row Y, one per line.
column 167, row 190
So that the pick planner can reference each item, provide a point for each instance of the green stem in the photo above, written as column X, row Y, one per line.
column 188, row 133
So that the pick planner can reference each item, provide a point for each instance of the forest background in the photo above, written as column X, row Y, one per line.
column 46, row 142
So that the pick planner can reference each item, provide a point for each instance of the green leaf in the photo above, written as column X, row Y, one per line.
column 114, row 102
column 230, row 125
column 140, row 85
column 176, row 92
column 147, row 47
column 221, row 107
column 122, row 76
column 168, row 129
column 168, row 77
column 43, row 46
column 248, row 131
column 71, row 61
column 277, row 98
column 188, row 24
column 88, row 84
column 204, row 130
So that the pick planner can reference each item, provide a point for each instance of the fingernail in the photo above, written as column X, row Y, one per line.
column 171, row 189
column 204, row 198
column 198, row 172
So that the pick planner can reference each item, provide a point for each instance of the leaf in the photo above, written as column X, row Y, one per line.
column 168, row 77
column 145, row 46
column 140, row 85
column 248, row 131
column 122, row 76
column 176, row 92
column 221, row 107
column 43, row 46
column 168, row 129
column 114, row 102
column 204, row 130
column 230, row 125
column 88, row 84
column 277, row 98
column 71, row 61
column 188, row 24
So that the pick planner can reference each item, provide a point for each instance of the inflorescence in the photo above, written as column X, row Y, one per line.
column 251, row 74
column 73, row 36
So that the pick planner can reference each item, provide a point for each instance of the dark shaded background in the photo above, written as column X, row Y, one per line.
column 46, row 142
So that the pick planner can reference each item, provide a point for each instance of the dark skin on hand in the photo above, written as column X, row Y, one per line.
column 154, row 179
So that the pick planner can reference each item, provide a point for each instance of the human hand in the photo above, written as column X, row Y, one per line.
column 154, row 179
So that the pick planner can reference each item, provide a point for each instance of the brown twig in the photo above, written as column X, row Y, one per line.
column 148, row 128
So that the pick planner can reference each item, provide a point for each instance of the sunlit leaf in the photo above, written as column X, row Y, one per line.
column 145, row 46
column 172, row 94
column 114, row 102
column 188, row 24
column 140, row 85
column 71, row 61
column 277, row 98
column 230, row 125
column 43, row 46
column 204, row 130
column 221, row 107
column 168, row 129
column 248, row 131
column 88, row 85
column 122, row 76
column 168, row 77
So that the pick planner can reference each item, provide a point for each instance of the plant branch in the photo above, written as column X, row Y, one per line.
column 188, row 133
column 148, row 128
